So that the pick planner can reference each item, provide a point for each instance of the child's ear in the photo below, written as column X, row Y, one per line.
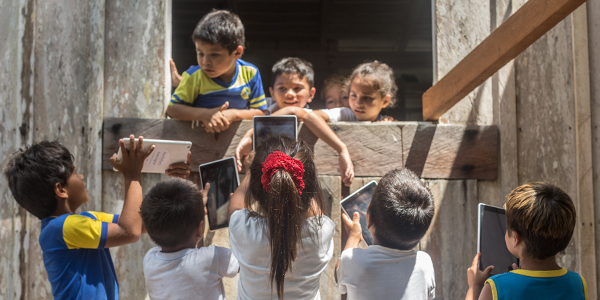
column 271, row 91
column 200, row 230
column 386, row 101
column 238, row 51
column 60, row 191
column 312, row 94
column 369, row 220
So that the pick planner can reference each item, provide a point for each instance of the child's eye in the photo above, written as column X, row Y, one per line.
column 214, row 55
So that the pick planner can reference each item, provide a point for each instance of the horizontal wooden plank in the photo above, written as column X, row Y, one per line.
column 432, row 151
column 517, row 33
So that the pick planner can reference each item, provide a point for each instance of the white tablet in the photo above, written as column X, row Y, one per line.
column 223, row 177
column 358, row 202
column 165, row 153
column 491, row 228
column 268, row 126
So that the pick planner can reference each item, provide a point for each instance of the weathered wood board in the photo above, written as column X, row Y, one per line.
column 432, row 151
column 523, row 28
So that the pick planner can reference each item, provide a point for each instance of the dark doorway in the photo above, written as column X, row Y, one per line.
column 334, row 36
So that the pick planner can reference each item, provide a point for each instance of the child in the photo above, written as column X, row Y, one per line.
column 180, row 267
column 333, row 93
column 372, row 88
column 276, row 227
column 43, row 180
column 292, row 88
column 221, row 80
column 540, row 219
column 398, row 216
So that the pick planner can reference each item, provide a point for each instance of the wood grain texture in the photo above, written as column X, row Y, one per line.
column 521, row 30
column 331, row 195
column 432, row 151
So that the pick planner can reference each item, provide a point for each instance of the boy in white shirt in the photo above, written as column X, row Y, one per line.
column 181, row 268
column 398, row 216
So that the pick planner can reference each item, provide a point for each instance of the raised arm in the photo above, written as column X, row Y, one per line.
column 291, row 111
column 316, row 121
column 233, row 114
column 236, row 202
column 129, row 226
column 212, row 119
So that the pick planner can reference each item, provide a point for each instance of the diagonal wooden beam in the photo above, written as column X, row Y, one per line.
column 523, row 28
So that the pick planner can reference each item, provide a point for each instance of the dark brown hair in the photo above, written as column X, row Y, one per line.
column 172, row 211
column 33, row 172
column 401, row 208
column 220, row 27
column 379, row 75
column 285, row 209
column 543, row 215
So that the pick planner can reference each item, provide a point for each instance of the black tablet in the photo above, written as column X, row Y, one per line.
column 358, row 202
column 222, row 175
column 267, row 126
column 491, row 229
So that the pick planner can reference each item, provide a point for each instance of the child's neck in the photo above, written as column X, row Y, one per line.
column 190, row 245
column 63, row 208
column 548, row 264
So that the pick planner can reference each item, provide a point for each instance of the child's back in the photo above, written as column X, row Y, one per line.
column 540, row 219
column 398, row 216
column 173, row 214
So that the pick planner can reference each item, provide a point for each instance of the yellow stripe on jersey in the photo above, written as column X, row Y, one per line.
column 257, row 102
column 585, row 291
column 82, row 232
column 103, row 217
column 493, row 286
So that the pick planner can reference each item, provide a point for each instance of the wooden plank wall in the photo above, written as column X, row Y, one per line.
column 549, row 137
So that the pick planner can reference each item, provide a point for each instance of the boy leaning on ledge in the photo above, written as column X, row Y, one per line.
column 398, row 216
column 43, row 180
column 222, row 88
column 540, row 219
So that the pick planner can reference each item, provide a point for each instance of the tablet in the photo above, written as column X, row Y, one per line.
column 222, row 175
column 268, row 126
column 491, row 228
column 165, row 153
column 358, row 202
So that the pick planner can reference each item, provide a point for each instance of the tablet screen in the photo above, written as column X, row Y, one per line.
column 492, row 245
column 358, row 202
column 223, row 179
column 268, row 126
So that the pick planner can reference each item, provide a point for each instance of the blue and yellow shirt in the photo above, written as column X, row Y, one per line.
column 531, row 285
column 78, row 265
column 244, row 91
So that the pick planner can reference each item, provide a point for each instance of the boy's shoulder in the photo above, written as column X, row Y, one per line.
column 201, row 253
column 379, row 253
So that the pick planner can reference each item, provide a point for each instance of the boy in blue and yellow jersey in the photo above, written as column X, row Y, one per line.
column 43, row 180
column 540, row 219
column 222, row 88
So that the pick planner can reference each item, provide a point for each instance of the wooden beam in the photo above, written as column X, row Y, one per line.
column 517, row 33
column 432, row 151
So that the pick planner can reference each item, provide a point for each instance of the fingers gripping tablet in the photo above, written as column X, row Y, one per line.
column 223, row 177
column 358, row 202
column 491, row 229
column 165, row 153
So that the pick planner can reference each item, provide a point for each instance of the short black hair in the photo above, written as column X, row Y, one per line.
column 171, row 211
column 32, row 174
column 401, row 209
column 294, row 65
column 220, row 27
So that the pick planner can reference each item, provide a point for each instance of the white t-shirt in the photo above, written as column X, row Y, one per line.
column 250, row 244
column 340, row 114
column 189, row 273
column 384, row 273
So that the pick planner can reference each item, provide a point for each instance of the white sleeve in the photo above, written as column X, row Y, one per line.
column 334, row 114
column 228, row 265
column 341, row 276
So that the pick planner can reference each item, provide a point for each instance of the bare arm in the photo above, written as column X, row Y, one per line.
column 354, row 230
column 244, row 148
column 212, row 119
column 316, row 121
column 476, row 280
column 291, row 111
column 233, row 114
column 129, row 227
column 237, row 198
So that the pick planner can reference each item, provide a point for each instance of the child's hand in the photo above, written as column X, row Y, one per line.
column 175, row 77
column 242, row 151
column 215, row 121
column 181, row 170
column 475, row 277
column 132, row 160
column 230, row 115
column 346, row 168
column 352, row 226
column 387, row 119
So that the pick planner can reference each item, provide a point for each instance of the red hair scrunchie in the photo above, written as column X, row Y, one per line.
column 279, row 160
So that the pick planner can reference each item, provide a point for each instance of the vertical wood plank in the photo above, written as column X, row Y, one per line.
column 451, row 240
column 546, row 118
column 585, row 189
column 134, row 86
column 331, row 186
column 593, row 19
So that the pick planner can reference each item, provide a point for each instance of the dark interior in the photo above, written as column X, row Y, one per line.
column 334, row 36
